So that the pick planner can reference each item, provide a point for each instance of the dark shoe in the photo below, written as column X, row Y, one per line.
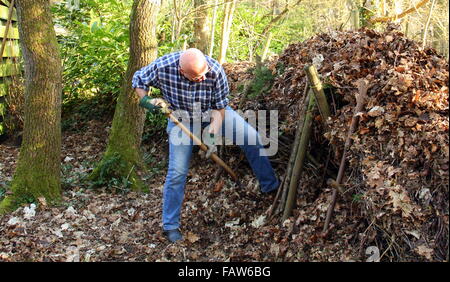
column 273, row 190
column 270, row 192
column 173, row 235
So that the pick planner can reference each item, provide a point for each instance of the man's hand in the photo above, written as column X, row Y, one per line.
column 153, row 104
column 159, row 102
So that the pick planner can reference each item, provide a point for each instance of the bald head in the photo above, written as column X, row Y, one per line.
column 193, row 64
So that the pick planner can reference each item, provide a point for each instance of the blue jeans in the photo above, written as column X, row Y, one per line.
column 180, row 152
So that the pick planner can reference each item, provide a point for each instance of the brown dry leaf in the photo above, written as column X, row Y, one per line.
column 219, row 185
column 42, row 201
column 192, row 237
column 364, row 130
column 425, row 251
column 400, row 200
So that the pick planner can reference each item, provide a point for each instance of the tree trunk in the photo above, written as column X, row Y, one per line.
column 38, row 168
column 201, row 29
column 266, row 47
column 226, row 29
column 427, row 25
column 127, row 126
column 213, row 28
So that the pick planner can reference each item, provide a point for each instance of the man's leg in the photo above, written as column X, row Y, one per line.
column 249, row 140
column 173, row 193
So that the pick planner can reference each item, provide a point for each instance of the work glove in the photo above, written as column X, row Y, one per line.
column 152, row 105
column 210, row 141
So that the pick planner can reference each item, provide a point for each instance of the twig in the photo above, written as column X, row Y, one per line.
column 361, row 98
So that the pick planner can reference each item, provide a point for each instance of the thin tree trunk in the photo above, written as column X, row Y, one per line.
column 173, row 28
column 226, row 29
column 276, row 17
column 201, row 29
column 38, row 168
column 127, row 126
column 213, row 28
column 427, row 25
column 266, row 47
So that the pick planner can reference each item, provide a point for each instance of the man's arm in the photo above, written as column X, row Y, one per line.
column 217, row 117
column 144, row 78
column 220, row 101
column 141, row 92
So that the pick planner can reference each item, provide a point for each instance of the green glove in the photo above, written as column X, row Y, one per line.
column 145, row 103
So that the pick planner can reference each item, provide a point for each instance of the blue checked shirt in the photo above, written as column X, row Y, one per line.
column 163, row 73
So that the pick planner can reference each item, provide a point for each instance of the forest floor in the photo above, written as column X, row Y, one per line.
column 219, row 221
column 395, row 206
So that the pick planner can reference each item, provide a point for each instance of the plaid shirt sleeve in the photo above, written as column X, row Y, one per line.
column 221, row 91
column 146, row 77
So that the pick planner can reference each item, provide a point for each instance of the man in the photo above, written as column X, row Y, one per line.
column 187, row 80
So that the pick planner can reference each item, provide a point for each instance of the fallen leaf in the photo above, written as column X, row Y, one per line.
column 192, row 237
column 425, row 251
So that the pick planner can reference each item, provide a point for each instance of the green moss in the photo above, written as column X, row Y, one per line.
column 113, row 171
column 27, row 188
column 8, row 204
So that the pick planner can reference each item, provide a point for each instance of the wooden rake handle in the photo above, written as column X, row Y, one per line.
column 203, row 147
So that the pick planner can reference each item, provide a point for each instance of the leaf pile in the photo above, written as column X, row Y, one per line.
column 398, row 163
column 238, row 73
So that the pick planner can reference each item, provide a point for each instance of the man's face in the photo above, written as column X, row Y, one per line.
column 195, row 76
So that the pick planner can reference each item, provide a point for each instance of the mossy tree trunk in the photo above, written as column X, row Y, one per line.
column 38, row 167
column 123, row 159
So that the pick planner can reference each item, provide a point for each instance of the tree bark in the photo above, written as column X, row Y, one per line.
column 427, row 25
column 213, row 28
column 226, row 29
column 201, row 29
column 266, row 47
column 128, row 122
column 38, row 168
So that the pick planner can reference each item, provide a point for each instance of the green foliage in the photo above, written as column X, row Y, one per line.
column 249, row 23
column 357, row 198
column 94, row 48
column 154, row 167
column 155, row 125
column 262, row 82
column 110, row 176
column 2, row 192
